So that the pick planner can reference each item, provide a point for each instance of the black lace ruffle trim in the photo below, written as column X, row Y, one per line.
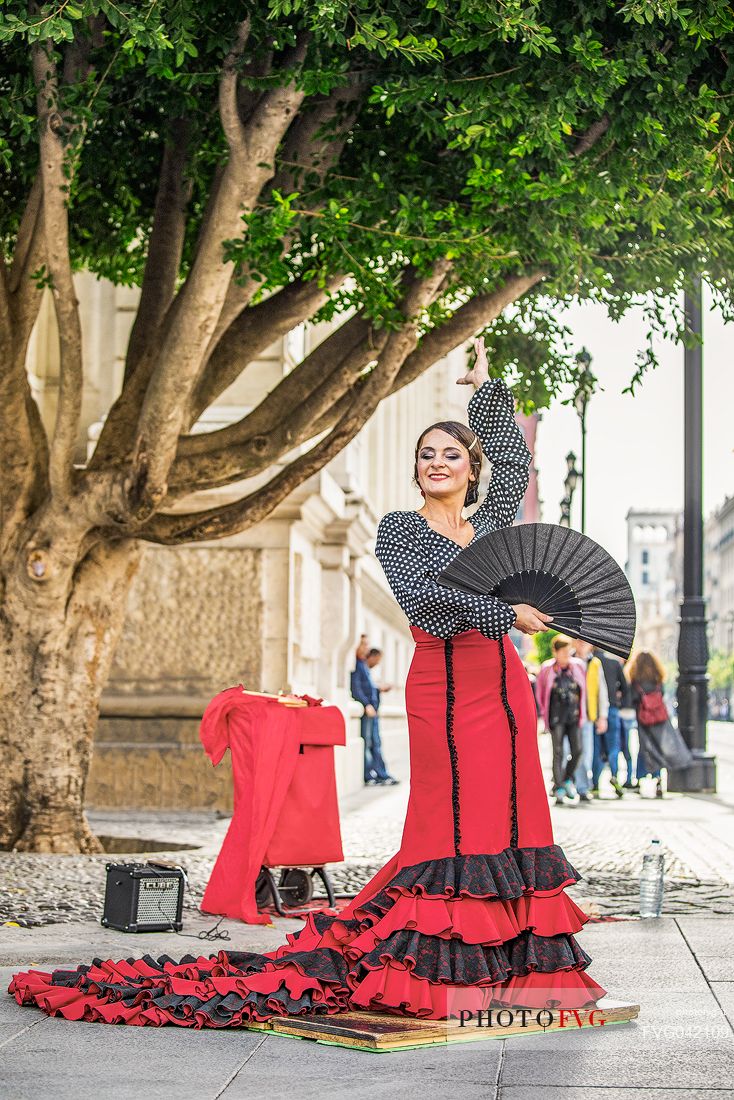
column 453, row 755
column 513, row 745
column 459, row 963
column 506, row 875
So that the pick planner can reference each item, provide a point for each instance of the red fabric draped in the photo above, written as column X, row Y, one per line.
column 265, row 738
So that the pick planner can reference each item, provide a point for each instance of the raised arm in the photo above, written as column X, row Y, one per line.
column 438, row 610
column 491, row 415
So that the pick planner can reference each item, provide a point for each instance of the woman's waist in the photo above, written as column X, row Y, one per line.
column 467, row 639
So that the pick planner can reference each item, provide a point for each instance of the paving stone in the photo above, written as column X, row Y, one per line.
column 717, row 968
column 688, row 1065
column 724, row 993
column 87, row 1061
column 314, row 1070
column 708, row 937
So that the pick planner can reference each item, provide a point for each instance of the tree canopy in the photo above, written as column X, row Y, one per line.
column 588, row 142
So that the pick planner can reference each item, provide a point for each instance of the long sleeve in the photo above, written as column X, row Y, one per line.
column 433, row 607
column 491, row 415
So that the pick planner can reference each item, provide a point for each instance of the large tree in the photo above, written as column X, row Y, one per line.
column 407, row 172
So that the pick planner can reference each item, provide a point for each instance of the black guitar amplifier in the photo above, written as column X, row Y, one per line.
column 144, row 897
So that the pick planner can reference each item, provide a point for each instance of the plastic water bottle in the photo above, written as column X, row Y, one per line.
column 652, row 880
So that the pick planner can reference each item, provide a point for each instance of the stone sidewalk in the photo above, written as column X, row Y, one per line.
column 680, row 970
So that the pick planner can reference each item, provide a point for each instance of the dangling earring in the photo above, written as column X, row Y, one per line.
column 422, row 493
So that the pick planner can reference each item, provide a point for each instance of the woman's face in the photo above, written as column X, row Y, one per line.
column 443, row 465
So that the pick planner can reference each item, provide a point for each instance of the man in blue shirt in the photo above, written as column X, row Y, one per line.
column 366, row 692
column 373, row 659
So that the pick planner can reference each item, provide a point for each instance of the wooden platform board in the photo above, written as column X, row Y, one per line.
column 382, row 1033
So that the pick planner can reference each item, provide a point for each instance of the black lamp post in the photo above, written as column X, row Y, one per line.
column 584, row 390
column 569, row 484
column 692, row 641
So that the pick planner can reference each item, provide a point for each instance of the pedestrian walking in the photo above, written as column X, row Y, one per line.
column 374, row 657
column 646, row 675
column 661, row 744
column 364, row 691
column 607, row 745
column 627, row 722
column 594, row 720
column 560, row 690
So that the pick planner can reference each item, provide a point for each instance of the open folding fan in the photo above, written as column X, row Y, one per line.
column 560, row 572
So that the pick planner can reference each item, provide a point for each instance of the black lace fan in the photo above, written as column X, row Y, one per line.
column 560, row 572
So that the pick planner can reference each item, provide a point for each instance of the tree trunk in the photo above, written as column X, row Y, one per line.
column 56, row 648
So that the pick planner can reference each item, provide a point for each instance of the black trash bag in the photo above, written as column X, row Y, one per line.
column 663, row 746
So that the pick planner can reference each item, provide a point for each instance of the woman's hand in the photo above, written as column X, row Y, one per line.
column 529, row 620
column 479, row 373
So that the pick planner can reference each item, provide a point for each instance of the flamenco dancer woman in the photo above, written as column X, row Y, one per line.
column 471, row 911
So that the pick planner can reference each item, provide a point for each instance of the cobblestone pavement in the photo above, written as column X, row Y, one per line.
column 604, row 841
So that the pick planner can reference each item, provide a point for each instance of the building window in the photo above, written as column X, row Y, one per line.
column 645, row 557
column 645, row 576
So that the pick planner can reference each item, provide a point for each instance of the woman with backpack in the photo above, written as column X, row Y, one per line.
column 647, row 676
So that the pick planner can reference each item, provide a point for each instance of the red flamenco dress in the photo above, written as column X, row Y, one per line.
column 472, row 910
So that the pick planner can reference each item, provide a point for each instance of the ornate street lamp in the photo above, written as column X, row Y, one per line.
column 584, row 388
column 569, row 484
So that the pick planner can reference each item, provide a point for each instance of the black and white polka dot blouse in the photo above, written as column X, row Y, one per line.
column 412, row 554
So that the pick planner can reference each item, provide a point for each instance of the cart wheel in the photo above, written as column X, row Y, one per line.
column 263, row 893
column 297, row 885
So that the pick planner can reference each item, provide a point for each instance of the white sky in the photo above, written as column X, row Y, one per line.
column 634, row 445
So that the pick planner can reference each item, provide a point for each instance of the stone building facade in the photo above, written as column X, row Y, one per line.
column 654, row 568
column 719, row 576
column 279, row 607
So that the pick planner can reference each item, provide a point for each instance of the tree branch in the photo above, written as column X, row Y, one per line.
column 221, row 466
column 53, row 144
column 196, row 308
column 465, row 323
column 589, row 139
column 164, row 249
column 318, row 150
column 315, row 142
column 290, row 392
column 253, row 331
column 23, row 442
column 5, row 315
column 27, row 230
column 26, row 296
column 232, row 518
